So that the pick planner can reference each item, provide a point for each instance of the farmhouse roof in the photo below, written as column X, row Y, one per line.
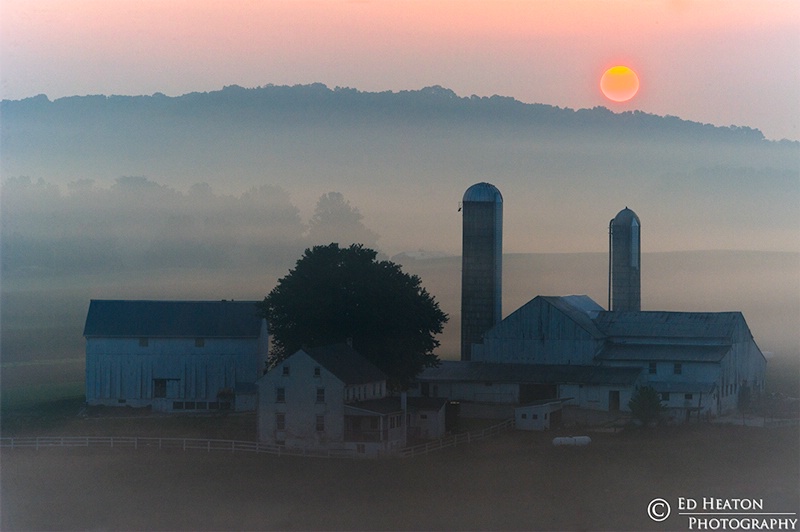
column 172, row 319
column 346, row 364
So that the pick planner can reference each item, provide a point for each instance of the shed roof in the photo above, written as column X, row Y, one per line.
column 172, row 319
column 471, row 371
column 346, row 363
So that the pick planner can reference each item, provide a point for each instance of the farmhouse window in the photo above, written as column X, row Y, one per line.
column 320, row 423
column 677, row 369
column 280, row 421
column 280, row 395
column 320, row 395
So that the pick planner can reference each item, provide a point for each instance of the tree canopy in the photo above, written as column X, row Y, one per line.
column 338, row 294
column 645, row 405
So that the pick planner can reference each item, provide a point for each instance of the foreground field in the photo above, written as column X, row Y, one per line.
column 517, row 481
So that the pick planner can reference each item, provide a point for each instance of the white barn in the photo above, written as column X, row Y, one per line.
column 702, row 363
column 330, row 398
column 176, row 356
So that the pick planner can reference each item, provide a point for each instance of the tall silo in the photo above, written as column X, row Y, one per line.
column 625, row 262
column 481, row 264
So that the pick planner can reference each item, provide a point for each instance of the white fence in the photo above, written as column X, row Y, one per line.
column 457, row 439
column 186, row 444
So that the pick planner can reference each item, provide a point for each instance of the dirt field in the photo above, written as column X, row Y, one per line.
column 517, row 481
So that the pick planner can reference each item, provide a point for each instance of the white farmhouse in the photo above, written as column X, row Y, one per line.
column 174, row 355
column 330, row 398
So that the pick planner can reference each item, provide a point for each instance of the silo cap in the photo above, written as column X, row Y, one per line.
column 625, row 217
column 483, row 192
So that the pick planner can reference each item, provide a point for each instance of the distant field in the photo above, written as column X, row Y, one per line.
column 516, row 481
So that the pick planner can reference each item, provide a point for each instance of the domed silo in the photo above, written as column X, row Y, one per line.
column 481, row 264
column 625, row 262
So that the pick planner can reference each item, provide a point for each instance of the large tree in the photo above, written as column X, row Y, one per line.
column 338, row 294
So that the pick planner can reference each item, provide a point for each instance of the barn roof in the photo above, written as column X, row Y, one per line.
column 472, row 371
column 172, row 319
column 669, row 351
column 346, row 363
column 669, row 325
column 580, row 309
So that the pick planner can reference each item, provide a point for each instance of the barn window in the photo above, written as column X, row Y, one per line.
column 177, row 405
column 524, row 416
column 320, row 395
column 199, row 342
column 677, row 369
column 687, row 396
column 534, row 416
column 285, row 371
column 317, row 371
column 361, row 448
column 143, row 342
column 320, row 424
column 425, row 416
column 280, row 395
column 652, row 368
column 280, row 421
column 665, row 396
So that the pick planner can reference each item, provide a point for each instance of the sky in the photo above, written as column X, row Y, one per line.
column 729, row 62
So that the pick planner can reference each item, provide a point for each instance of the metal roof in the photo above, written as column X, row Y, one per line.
column 670, row 351
column 391, row 405
column 346, row 363
column 483, row 192
column 673, row 325
column 387, row 405
column 580, row 309
column 471, row 371
column 172, row 319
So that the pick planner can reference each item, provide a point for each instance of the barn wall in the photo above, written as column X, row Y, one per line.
column 120, row 371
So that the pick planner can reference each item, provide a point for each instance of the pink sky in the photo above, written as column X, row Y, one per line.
column 723, row 62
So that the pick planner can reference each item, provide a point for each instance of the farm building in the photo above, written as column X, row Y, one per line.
column 174, row 356
column 702, row 363
column 329, row 398
column 332, row 398
column 539, row 415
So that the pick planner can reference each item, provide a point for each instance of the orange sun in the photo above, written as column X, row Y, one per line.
column 619, row 83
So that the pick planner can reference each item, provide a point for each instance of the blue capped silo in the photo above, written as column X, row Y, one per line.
column 481, row 264
column 625, row 262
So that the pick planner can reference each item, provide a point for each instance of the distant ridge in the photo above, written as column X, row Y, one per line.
column 346, row 106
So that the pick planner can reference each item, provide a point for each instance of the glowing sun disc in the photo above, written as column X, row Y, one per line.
column 619, row 83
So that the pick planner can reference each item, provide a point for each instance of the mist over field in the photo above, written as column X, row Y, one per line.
column 215, row 195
